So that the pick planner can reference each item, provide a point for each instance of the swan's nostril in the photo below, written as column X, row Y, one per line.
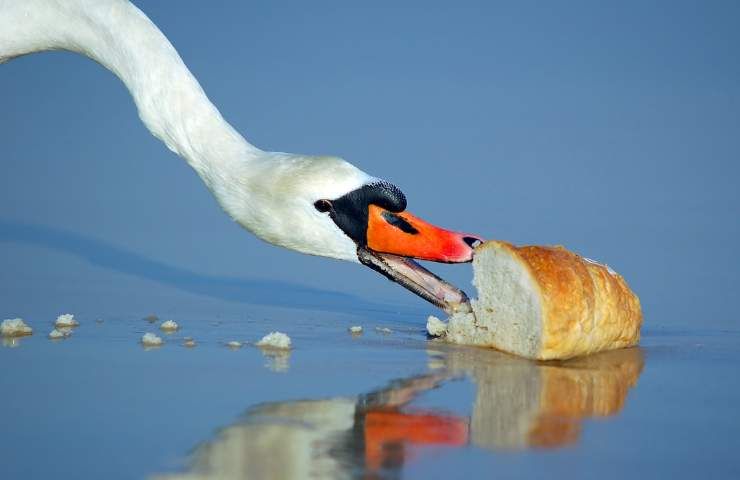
column 472, row 241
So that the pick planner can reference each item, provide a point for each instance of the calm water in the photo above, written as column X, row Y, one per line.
column 99, row 405
column 612, row 128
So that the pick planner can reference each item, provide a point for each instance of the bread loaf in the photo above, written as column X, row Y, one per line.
column 546, row 303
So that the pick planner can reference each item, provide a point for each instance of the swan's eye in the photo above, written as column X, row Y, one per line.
column 322, row 206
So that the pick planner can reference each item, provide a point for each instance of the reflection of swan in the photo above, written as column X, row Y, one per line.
column 331, row 438
column 316, row 205
column 519, row 404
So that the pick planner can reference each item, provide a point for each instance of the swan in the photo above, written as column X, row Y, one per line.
column 318, row 205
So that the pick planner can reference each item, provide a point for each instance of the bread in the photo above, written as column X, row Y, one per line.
column 546, row 303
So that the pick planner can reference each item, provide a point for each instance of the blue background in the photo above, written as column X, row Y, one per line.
column 613, row 129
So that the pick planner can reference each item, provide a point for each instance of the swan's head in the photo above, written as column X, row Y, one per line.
column 325, row 206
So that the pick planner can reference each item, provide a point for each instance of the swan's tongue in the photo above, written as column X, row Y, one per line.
column 418, row 279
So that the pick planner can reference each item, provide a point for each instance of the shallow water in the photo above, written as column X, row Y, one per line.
column 376, row 405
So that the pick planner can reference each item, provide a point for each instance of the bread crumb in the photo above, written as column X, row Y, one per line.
column 383, row 330
column 275, row 340
column 436, row 327
column 66, row 320
column 188, row 342
column 59, row 334
column 234, row 344
column 151, row 340
column 151, row 318
column 355, row 330
column 169, row 326
column 15, row 327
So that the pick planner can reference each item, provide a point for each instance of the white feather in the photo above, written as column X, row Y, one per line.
column 270, row 194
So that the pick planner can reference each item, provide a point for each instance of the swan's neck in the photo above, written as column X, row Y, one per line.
column 270, row 194
column 120, row 37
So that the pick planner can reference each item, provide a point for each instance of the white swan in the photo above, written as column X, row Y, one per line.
column 316, row 205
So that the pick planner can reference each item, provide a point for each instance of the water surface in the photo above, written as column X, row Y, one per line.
column 376, row 405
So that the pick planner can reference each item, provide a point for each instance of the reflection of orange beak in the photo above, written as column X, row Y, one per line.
column 386, row 429
column 409, row 236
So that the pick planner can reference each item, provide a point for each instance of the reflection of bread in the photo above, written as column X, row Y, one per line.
column 546, row 303
column 596, row 387
column 521, row 404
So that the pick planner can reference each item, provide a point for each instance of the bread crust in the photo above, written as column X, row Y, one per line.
column 586, row 306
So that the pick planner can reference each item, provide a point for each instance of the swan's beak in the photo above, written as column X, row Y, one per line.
column 393, row 239
column 406, row 235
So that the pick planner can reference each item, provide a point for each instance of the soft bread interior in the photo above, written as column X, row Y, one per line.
column 508, row 300
column 507, row 312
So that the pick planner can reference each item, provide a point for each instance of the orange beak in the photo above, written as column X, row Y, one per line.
column 405, row 235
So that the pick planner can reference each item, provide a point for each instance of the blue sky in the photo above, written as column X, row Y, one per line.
column 613, row 129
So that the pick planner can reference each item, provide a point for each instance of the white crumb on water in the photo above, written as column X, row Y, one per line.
column 234, row 344
column 435, row 326
column 15, row 327
column 383, row 330
column 275, row 340
column 151, row 340
column 355, row 329
column 66, row 320
column 169, row 326
column 57, row 334
column 189, row 342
